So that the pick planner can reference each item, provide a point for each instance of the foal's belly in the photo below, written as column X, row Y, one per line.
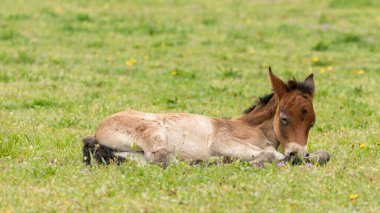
column 190, row 148
column 189, row 137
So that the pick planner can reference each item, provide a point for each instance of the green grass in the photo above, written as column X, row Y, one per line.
column 63, row 69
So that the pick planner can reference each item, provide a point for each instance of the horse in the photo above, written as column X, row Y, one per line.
column 281, row 119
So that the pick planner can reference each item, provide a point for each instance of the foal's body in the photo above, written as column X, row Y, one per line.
column 283, row 117
column 185, row 136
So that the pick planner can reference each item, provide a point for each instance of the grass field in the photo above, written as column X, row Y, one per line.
column 66, row 65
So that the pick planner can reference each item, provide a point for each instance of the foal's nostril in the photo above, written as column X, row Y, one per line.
column 307, row 155
column 292, row 154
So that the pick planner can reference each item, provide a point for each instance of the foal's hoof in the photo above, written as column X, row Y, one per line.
column 262, row 159
column 320, row 157
column 160, row 157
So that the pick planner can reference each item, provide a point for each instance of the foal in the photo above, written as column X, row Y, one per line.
column 281, row 118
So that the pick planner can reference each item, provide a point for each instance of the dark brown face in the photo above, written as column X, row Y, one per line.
column 294, row 115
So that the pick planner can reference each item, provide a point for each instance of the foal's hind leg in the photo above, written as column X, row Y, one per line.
column 161, row 157
column 132, row 156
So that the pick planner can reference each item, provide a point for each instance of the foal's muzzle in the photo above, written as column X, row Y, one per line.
column 295, row 151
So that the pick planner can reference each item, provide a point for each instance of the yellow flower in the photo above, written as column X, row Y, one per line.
column 354, row 197
column 329, row 67
column 359, row 72
column 322, row 70
column 58, row 10
column 250, row 51
column 130, row 62
column 362, row 145
column 173, row 73
column 314, row 59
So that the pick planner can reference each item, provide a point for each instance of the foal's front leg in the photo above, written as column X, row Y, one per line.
column 235, row 149
column 271, row 149
column 269, row 156
column 263, row 158
column 244, row 151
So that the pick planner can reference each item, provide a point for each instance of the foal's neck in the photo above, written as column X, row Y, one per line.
column 260, row 113
column 261, row 117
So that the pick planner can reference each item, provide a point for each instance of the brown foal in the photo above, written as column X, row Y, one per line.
column 281, row 118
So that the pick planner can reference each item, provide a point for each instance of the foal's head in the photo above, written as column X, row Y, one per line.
column 294, row 114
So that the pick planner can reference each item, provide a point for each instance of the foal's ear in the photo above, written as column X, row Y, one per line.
column 278, row 86
column 309, row 83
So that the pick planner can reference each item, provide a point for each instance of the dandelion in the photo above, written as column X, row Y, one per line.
column 322, row 70
column 362, row 145
column 173, row 73
column 130, row 62
column 359, row 72
column 329, row 67
column 314, row 59
column 354, row 197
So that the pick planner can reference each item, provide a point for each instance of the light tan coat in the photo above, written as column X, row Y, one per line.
column 185, row 136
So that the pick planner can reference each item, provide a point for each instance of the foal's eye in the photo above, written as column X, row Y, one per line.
column 284, row 121
column 284, row 118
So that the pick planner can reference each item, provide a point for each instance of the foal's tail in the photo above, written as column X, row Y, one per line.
column 101, row 154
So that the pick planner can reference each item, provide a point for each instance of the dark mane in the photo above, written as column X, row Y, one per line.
column 263, row 100
column 292, row 84
column 301, row 86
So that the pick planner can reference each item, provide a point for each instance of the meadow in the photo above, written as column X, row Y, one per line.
column 66, row 65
